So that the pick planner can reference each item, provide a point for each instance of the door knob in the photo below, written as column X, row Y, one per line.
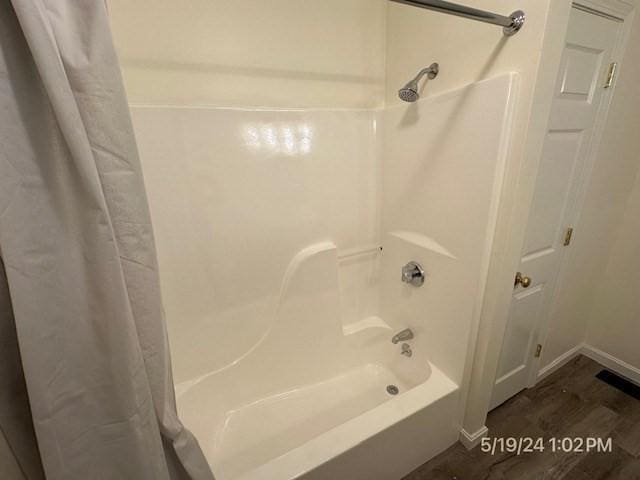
column 525, row 282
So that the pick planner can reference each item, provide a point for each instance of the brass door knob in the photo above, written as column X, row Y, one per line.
column 525, row 282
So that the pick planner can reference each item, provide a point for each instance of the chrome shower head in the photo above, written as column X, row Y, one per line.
column 409, row 93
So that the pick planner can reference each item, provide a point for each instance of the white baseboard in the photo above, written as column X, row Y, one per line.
column 612, row 363
column 603, row 358
column 559, row 362
column 471, row 440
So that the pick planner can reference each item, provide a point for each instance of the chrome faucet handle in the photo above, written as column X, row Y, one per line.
column 413, row 273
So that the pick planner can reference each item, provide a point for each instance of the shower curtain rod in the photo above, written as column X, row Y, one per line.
column 512, row 24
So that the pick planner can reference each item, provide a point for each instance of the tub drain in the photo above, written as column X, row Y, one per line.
column 392, row 390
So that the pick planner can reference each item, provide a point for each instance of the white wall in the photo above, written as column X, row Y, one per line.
column 596, row 297
column 439, row 203
column 468, row 52
column 276, row 53
column 236, row 191
column 614, row 320
column 235, row 194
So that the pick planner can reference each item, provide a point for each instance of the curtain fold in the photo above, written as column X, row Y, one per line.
column 17, row 437
column 79, row 256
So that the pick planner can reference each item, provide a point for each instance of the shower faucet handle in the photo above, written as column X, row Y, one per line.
column 413, row 273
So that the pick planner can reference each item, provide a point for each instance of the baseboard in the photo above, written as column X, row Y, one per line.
column 560, row 362
column 612, row 363
column 471, row 440
column 603, row 358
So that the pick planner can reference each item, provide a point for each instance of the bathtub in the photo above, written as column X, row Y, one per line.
column 311, row 399
column 281, row 341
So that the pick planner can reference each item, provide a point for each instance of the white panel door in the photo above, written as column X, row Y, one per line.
column 578, row 96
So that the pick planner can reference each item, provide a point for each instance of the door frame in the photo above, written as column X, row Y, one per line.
column 623, row 12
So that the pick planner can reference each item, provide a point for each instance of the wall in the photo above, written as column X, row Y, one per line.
column 467, row 52
column 235, row 194
column 614, row 319
column 280, row 53
column 426, row 167
column 614, row 323
column 238, row 184
column 593, row 303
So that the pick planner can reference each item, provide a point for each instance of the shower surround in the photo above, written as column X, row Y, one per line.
column 281, row 306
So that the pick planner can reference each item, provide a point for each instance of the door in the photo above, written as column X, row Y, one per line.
column 579, row 94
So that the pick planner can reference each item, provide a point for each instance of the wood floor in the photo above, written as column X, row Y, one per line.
column 569, row 403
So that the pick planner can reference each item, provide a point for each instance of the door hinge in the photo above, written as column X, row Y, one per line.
column 613, row 67
column 567, row 236
column 538, row 351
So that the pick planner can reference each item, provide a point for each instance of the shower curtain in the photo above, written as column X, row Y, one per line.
column 84, row 359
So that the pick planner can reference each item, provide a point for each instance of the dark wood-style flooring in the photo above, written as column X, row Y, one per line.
column 569, row 403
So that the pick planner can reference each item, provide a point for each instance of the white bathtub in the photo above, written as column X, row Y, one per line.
column 310, row 399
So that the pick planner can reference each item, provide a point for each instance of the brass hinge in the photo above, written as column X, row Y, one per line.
column 613, row 67
column 538, row 351
column 567, row 236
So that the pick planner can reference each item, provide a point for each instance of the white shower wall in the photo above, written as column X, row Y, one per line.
column 235, row 194
column 268, row 224
column 442, row 179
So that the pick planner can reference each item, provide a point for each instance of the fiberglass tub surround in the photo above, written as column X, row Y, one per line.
column 281, row 306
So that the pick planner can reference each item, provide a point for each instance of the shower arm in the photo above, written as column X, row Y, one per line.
column 511, row 24
column 432, row 71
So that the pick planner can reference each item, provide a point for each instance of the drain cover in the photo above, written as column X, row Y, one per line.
column 392, row 390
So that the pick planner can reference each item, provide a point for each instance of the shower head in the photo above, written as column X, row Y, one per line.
column 409, row 93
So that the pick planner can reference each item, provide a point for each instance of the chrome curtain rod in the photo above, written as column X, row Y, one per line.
column 511, row 24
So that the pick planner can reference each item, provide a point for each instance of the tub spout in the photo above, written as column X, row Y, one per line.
column 402, row 336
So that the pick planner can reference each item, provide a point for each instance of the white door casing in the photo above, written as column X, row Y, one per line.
column 578, row 102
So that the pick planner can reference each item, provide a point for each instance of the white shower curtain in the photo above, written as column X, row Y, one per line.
column 79, row 291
